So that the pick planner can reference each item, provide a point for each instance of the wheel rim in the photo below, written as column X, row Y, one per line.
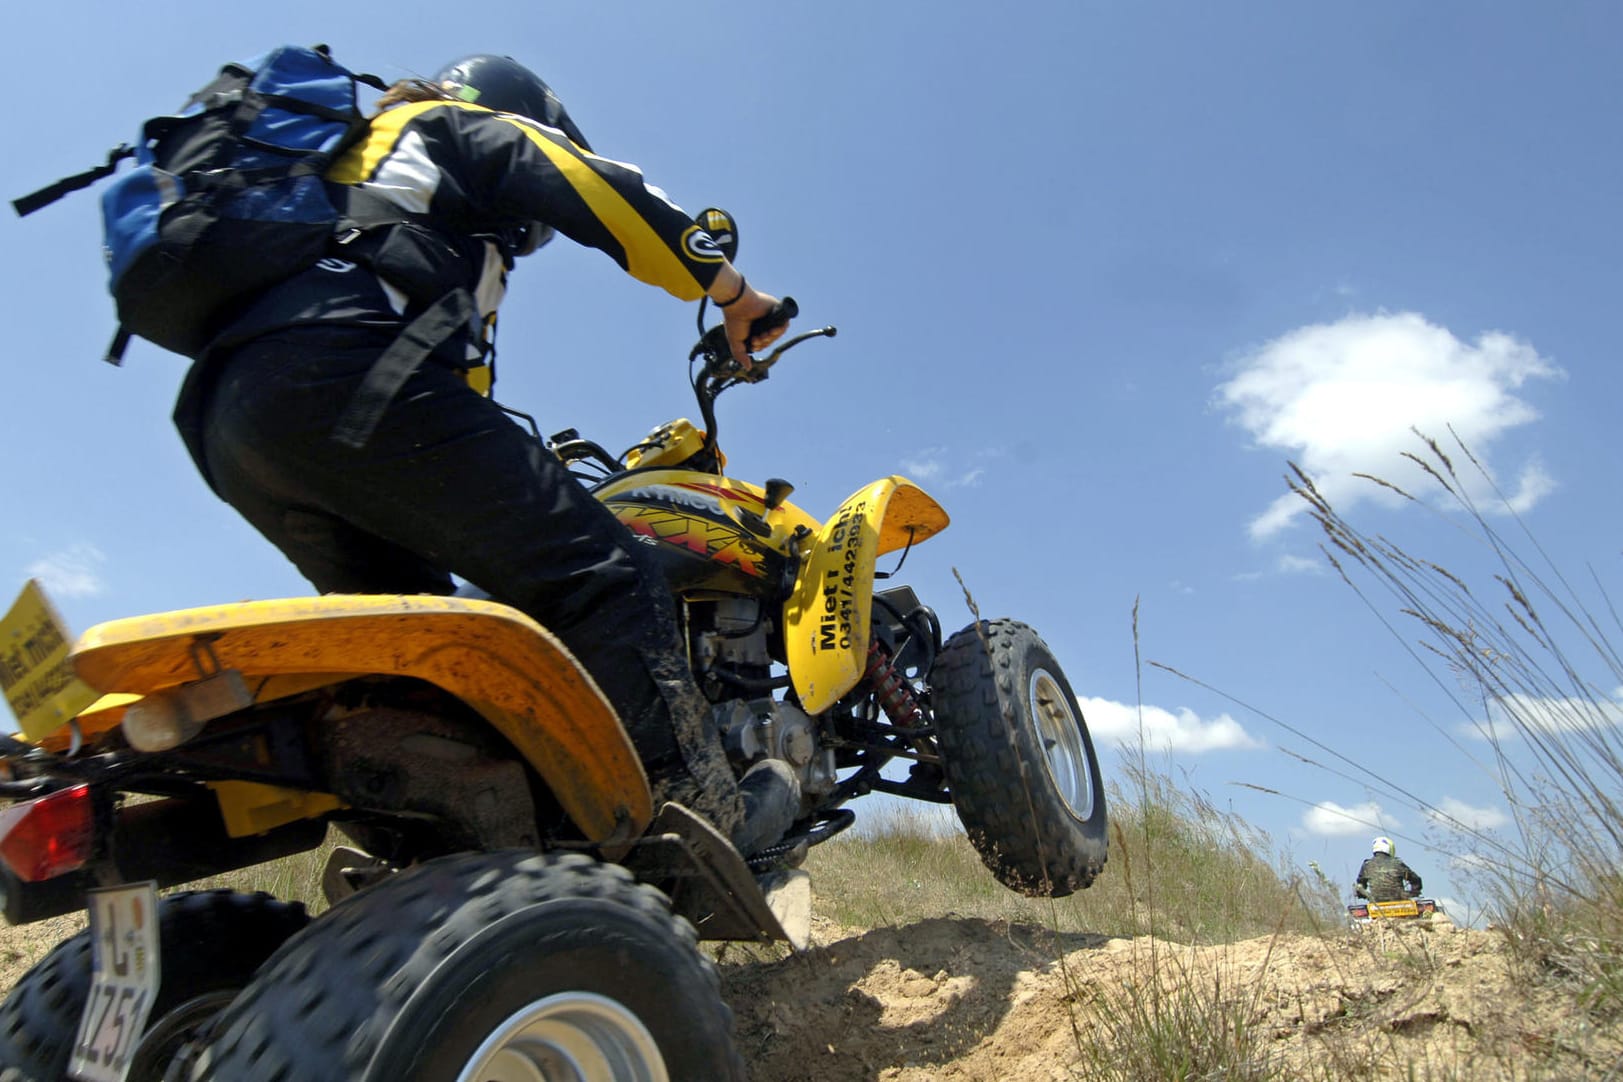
column 168, row 1037
column 1065, row 753
column 568, row 1037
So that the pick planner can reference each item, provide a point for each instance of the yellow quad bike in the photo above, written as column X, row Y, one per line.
column 1414, row 908
column 515, row 906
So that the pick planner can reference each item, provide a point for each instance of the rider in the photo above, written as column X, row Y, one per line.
column 1385, row 878
column 377, row 463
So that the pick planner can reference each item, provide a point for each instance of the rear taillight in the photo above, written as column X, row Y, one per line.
column 50, row 836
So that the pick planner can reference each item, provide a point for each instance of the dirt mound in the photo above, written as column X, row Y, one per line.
column 960, row 998
column 970, row 999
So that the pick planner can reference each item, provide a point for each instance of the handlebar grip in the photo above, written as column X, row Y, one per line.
column 781, row 314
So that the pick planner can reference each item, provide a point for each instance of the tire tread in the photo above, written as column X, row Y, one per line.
column 326, row 1001
column 977, row 692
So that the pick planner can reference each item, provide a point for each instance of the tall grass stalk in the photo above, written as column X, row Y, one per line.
column 1189, row 872
column 1534, row 663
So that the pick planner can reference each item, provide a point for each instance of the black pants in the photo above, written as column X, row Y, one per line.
column 449, row 484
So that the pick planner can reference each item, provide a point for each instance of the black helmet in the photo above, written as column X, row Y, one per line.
column 503, row 84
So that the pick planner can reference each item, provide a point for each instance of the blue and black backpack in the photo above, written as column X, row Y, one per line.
column 226, row 197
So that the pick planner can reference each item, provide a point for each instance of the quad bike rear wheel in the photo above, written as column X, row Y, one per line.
column 211, row 943
column 1019, row 760
column 485, row 967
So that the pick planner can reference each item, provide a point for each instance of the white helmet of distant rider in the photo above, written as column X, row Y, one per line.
column 1383, row 844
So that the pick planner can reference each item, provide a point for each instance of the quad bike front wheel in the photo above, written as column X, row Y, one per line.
column 510, row 966
column 1018, row 759
column 211, row 944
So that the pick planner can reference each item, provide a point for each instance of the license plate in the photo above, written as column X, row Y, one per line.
column 124, row 980
column 1405, row 908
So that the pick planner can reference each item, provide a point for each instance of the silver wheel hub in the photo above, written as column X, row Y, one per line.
column 568, row 1037
column 1060, row 732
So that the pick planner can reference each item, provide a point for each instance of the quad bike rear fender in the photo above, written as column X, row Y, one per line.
column 517, row 675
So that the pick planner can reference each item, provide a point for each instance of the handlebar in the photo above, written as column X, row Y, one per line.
column 781, row 314
column 721, row 371
column 717, row 373
column 718, row 353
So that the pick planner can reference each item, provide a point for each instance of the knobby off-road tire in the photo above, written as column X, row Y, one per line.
column 490, row 967
column 1019, row 760
column 211, row 943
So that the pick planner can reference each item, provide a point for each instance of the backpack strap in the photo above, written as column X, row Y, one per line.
column 453, row 312
column 49, row 194
column 115, row 348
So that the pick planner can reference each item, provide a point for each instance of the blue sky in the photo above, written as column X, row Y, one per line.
column 1099, row 271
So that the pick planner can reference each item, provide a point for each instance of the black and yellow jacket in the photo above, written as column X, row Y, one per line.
column 474, row 184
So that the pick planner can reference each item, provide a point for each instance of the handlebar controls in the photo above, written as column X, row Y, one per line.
column 719, row 371
column 781, row 314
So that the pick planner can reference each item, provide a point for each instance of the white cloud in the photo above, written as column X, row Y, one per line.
column 1510, row 716
column 934, row 466
column 1453, row 814
column 1300, row 565
column 924, row 466
column 1328, row 817
column 73, row 572
column 1284, row 565
column 1182, row 731
column 1344, row 398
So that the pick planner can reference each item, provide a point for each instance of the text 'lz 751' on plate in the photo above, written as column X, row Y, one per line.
column 125, row 975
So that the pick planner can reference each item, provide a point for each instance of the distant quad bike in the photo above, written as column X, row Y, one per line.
column 1365, row 912
column 515, row 906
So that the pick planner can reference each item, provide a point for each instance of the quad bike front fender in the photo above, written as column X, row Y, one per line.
column 826, row 619
column 510, row 669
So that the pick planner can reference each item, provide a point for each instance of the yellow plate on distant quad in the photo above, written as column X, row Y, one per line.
column 1403, row 908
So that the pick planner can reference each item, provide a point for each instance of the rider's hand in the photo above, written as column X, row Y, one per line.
column 751, row 305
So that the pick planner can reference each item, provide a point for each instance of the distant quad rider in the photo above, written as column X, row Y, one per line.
column 1385, row 878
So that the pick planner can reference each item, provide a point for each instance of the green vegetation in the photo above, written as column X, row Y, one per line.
column 1179, row 869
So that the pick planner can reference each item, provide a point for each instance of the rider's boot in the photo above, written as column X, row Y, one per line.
column 754, row 813
column 771, row 792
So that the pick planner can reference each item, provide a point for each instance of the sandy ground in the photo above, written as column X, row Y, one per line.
column 957, row 998
column 967, row 999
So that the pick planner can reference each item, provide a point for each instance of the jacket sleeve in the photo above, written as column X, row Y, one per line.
column 1414, row 880
column 521, row 171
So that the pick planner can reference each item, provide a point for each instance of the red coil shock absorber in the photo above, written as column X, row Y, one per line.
column 892, row 690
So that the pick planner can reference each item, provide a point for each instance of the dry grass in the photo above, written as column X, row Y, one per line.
column 1179, row 869
column 1532, row 661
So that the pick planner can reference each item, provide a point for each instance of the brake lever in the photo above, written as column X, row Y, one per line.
column 764, row 363
column 719, row 351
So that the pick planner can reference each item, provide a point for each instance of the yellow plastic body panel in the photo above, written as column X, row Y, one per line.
column 826, row 617
column 735, row 496
column 251, row 808
column 673, row 442
column 510, row 669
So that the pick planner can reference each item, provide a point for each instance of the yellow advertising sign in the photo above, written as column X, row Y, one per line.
column 35, row 672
